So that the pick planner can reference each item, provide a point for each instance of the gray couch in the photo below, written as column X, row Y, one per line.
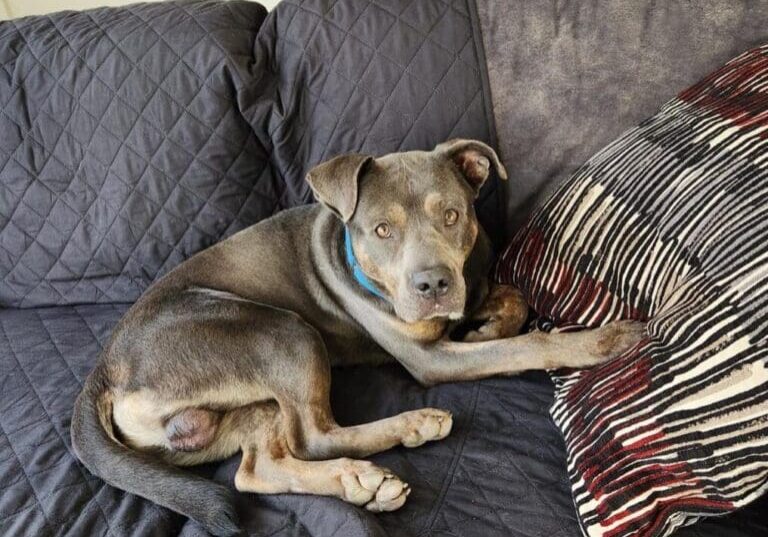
column 132, row 138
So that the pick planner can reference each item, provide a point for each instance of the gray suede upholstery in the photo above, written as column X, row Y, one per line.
column 568, row 77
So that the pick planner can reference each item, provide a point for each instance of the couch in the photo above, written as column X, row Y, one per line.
column 131, row 138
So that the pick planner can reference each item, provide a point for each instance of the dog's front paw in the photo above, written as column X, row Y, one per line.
column 377, row 488
column 502, row 315
column 493, row 328
column 390, row 495
column 425, row 425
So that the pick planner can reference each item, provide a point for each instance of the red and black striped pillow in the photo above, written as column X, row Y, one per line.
column 670, row 224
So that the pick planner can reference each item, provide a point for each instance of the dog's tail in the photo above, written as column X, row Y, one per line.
column 95, row 445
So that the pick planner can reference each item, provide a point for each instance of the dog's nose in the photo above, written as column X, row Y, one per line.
column 432, row 282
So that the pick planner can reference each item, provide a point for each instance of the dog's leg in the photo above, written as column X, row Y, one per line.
column 502, row 315
column 314, row 434
column 269, row 467
column 238, row 352
column 449, row 361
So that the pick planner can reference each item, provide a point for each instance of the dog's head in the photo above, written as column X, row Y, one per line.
column 411, row 220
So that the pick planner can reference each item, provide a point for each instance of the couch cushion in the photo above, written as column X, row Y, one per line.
column 132, row 138
column 500, row 473
column 569, row 77
column 667, row 224
column 122, row 151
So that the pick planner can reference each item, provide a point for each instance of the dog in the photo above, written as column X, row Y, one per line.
column 232, row 350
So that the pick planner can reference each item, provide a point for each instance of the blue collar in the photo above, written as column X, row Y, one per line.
column 357, row 271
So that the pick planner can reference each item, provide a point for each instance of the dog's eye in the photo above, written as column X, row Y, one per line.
column 451, row 217
column 383, row 231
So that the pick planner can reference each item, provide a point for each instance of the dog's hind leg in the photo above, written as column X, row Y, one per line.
column 310, row 428
column 269, row 467
column 313, row 434
column 227, row 352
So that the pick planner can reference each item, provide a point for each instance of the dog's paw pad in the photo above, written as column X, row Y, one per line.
column 426, row 425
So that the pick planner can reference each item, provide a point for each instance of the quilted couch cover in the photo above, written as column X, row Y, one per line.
column 131, row 138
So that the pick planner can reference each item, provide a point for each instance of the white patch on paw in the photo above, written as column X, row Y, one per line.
column 391, row 495
column 426, row 425
column 377, row 488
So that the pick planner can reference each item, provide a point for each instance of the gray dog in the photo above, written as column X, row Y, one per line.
column 232, row 350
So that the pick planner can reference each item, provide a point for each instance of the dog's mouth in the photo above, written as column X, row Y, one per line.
column 440, row 311
column 432, row 316
column 415, row 309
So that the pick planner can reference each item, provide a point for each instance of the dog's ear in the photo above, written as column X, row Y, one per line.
column 335, row 183
column 473, row 159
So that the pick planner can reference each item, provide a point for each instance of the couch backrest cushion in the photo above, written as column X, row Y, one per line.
column 132, row 138
column 666, row 224
column 121, row 148
column 568, row 77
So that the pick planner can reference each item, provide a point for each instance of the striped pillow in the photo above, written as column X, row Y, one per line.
column 670, row 224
